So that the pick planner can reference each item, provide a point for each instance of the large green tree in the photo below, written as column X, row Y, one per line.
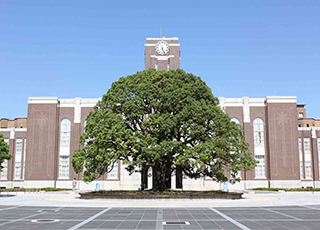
column 4, row 151
column 164, row 120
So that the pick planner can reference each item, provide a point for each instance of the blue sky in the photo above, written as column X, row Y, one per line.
column 74, row 49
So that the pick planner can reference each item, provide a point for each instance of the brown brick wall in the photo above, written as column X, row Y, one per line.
column 42, row 142
column 283, row 141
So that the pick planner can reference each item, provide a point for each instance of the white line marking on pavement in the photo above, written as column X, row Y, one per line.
column 280, row 213
column 230, row 219
column 10, row 208
column 159, row 225
column 89, row 219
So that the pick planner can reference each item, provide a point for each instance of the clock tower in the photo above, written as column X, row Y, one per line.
column 162, row 53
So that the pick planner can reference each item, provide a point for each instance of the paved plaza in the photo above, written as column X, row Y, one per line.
column 67, row 211
column 287, row 217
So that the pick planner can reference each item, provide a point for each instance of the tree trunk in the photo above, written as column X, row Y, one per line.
column 159, row 178
column 144, row 178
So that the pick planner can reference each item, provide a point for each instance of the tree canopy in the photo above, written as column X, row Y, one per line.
column 162, row 120
column 4, row 151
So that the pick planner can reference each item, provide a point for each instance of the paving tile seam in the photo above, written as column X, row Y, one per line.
column 312, row 208
column 141, row 219
column 128, row 213
column 89, row 219
column 195, row 219
column 9, row 208
column 280, row 213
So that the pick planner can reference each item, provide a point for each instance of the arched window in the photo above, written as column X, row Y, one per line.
column 235, row 120
column 65, row 130
column 258, row 131
column 114, row 172
column 259, row 151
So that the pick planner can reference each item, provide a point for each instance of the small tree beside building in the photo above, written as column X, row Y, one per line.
column 4, row 151
column 167, row 121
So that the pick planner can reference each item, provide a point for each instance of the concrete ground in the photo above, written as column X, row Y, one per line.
column 64, row 210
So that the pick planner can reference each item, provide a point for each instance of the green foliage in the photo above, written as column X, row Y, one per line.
column 4, row 151
column 162, row 120
column 49, row 189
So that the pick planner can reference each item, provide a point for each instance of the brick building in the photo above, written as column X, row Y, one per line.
column 284, row 141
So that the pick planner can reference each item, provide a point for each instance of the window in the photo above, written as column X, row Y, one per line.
column 65, row 137
column 307, row 158
column 64, row 167
column 258, row 131
column 4, row 173
column 308, row 170
column 18, row 158
column 300, row 114
column 300, row 158
column 114, row 173
column 6, row 140
column 258, row 137
column 238, row 175
column 299, row 125
column 235, row 120
column 24, row 157
column 319, row 152
column 64, row 148
column 260, row 168
column 307, row 125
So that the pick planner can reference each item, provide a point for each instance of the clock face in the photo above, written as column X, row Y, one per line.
column 162, row 47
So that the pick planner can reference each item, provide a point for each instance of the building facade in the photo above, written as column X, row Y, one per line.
column 282, row 139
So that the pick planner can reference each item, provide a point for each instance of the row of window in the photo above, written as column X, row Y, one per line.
column 305, row 159
column 299, row 125
column 64, row 152
column 64, row 162
column 259, row 150
column 64, row 156
column 17, row 162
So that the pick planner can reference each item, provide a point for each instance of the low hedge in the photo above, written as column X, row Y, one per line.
column 48, row 189
column 150, row 192
column 288, row 189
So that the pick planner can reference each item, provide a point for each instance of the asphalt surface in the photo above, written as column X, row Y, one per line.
column 277, row 217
